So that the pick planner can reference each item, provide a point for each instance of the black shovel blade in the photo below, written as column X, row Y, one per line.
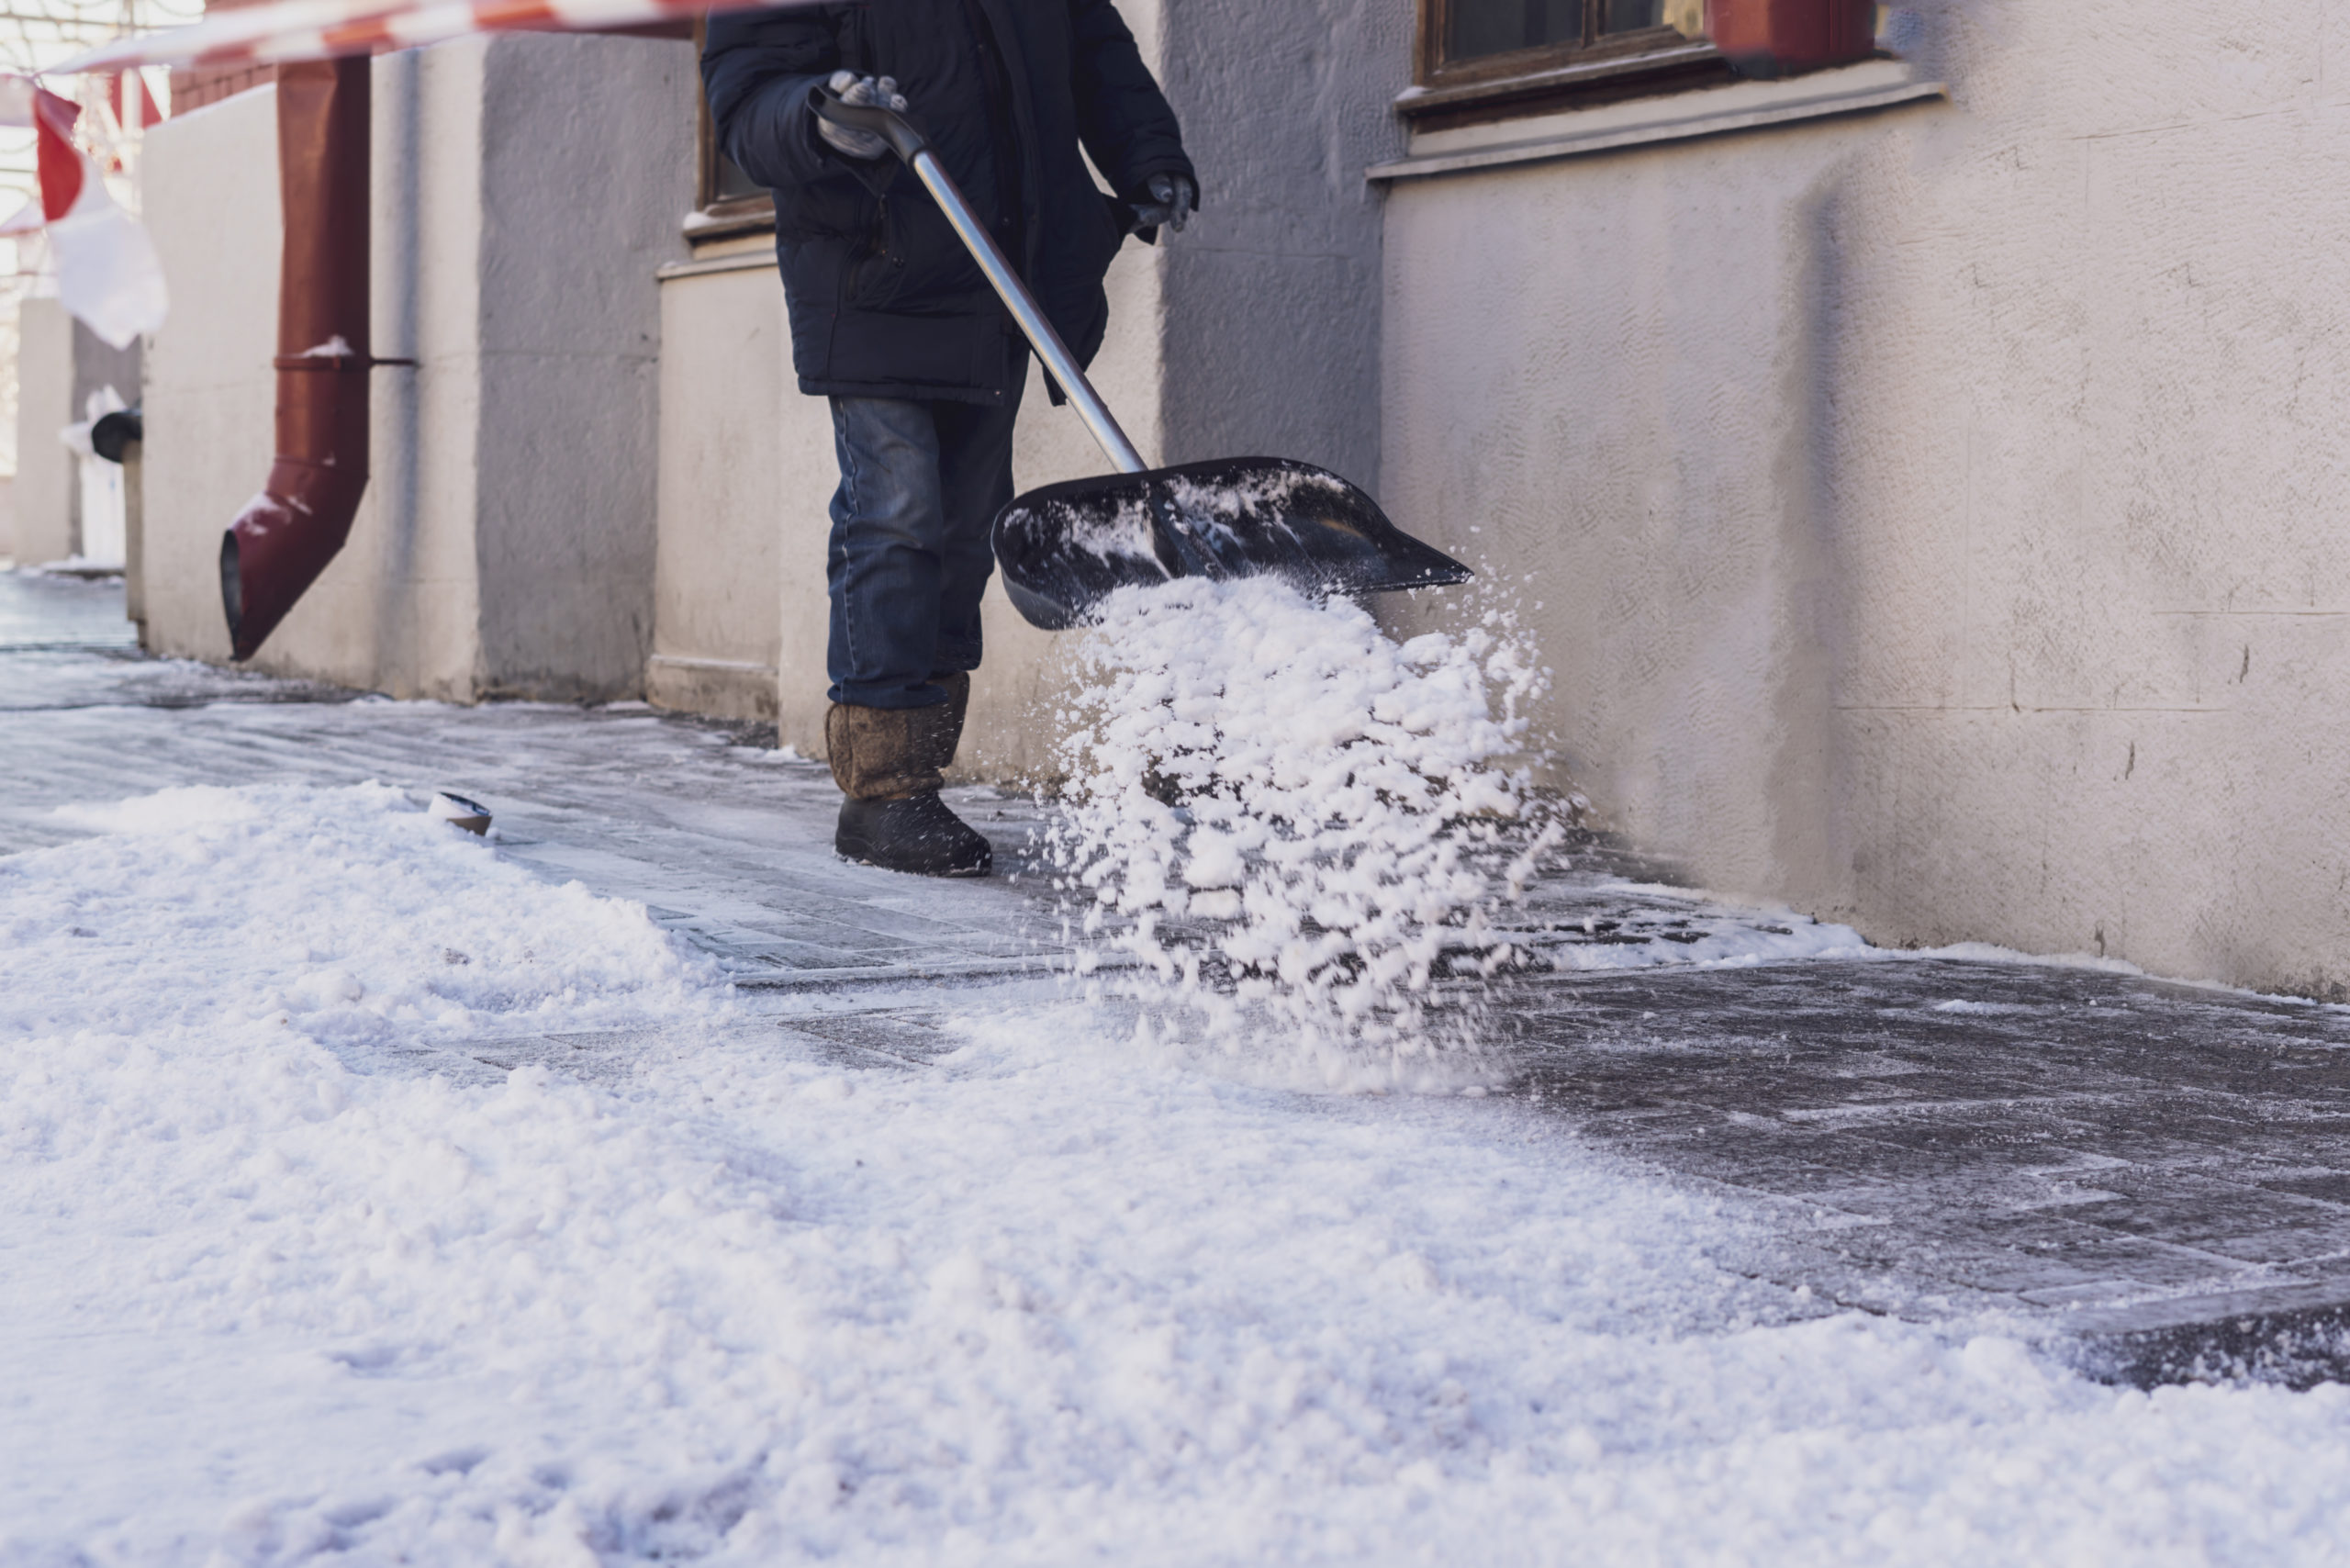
column 1066, row 547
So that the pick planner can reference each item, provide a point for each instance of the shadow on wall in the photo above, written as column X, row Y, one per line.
column 1807, row 786
column 397, row 135
column 1272, row 307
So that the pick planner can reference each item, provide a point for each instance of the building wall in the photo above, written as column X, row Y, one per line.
column 717, row 626
column 527, row 190
column 59, row 364
column 587, row 160
column 1256, row 330
column 48, row 494
column 1933, row 517
column 1272, row 296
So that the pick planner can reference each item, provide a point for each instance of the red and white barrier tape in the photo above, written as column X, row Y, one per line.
column 325, row 29
column 106, row 270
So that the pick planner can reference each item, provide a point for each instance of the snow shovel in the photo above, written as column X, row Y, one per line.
column 1066, row 547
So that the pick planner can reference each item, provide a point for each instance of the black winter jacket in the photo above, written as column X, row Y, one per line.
column 884, row 300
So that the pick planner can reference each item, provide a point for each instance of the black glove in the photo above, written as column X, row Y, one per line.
column 1172, row 197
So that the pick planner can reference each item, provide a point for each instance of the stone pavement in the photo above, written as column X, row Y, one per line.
column 2154, row 1177
column 2158, row 1172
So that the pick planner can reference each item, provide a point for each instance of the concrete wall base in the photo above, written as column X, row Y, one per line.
column 720, row 688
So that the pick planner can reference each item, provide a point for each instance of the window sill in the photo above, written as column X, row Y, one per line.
column 1865, row 88
column 759, row 258
column 1446, row 104
column 730, row 220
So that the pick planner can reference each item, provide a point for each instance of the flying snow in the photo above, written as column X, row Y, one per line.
column 1294, row 818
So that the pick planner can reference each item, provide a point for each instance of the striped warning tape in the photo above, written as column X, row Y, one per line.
column 325, row 29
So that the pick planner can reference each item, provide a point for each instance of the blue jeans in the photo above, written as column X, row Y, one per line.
column 921, row 482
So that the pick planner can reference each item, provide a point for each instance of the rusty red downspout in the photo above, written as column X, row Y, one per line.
column 284, row 536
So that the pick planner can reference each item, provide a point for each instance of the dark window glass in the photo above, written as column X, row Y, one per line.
column 731, row 183
column 1686, row 18
column 1496, row 27
column 1474, row 28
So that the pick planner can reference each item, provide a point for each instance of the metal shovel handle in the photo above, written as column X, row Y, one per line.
column 909, row 144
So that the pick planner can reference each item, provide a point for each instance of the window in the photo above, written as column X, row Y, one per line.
column 726, row 202
column 1486, row 59
column 1475, row 30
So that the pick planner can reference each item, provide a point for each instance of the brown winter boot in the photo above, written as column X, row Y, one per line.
column 949, row 733
column 888, row 762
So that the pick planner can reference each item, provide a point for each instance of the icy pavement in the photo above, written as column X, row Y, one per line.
column 2157, row 1174
column 372, row 1193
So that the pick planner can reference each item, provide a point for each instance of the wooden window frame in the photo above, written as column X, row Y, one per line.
column 1599, row 68
column 714, row 216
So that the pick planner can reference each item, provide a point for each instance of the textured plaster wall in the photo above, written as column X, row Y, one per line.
column 60, row 363
column 1936, row 517
column 1272, row 296
column 587, row 164
column 717, row 624
column 210, row 198
column 46, row 498
column 527, row 189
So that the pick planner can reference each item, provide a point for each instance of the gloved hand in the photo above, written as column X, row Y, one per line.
column 1172, row 196
column 860, row 90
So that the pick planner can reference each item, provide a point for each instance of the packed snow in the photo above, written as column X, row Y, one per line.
column 1298, row 822
column 282, row 1283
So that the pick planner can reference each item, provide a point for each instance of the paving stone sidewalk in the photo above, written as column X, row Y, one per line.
column 2153, row 1177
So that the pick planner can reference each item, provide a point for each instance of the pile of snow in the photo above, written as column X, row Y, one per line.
column 446, row 941
column 1290, row 815
column 1048, row 1303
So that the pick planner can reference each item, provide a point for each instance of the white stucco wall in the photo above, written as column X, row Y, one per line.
column 59, row 364
column 724, row 375
column 527, row 190
column 1935, row 515
column 45, row 511
column 1272, row 296
column 209, row 189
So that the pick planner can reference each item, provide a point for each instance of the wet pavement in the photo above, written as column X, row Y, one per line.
column 2154, row 1177
column 2156, row 1171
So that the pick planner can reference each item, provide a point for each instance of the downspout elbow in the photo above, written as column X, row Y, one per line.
column 285, row 536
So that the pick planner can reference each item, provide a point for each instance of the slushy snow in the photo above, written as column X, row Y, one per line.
column 1292, row 818
column 281, row 1285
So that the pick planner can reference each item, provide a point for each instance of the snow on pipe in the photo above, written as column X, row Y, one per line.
column 285, row 536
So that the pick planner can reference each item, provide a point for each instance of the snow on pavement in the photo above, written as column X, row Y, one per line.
column 347, row 913
column 1057, row 1299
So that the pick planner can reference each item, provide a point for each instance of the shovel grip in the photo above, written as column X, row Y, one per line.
column 888, row 124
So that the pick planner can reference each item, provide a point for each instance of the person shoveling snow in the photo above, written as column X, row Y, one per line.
column 894, row 324
column 893, row 321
